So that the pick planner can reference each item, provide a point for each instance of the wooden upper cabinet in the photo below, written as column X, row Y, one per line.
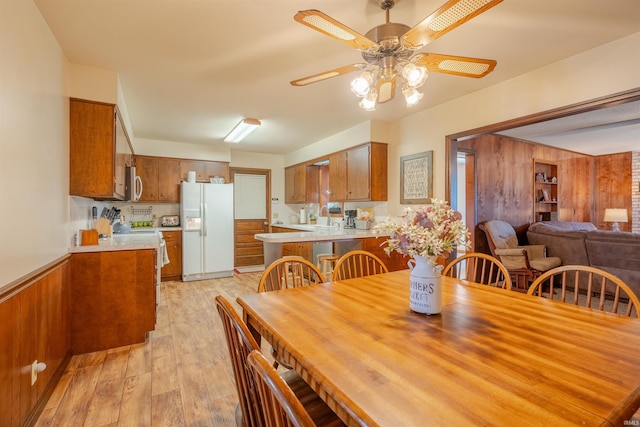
column 147, row 170
column 199, row 167
column 168, row 180
column 99, row 150
column 216, row 169
column 359, row 173
column 312, row 183
column 205, row 170
column 295, row 186
column 161, row 176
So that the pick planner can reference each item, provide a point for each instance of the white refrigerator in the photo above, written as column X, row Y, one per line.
column 206, row 215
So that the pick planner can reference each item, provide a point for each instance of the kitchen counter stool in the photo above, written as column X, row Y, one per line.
column 326, row 264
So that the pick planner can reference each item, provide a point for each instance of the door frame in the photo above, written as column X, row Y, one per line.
column 253, row 171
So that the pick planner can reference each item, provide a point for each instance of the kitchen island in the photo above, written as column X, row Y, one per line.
column 326, row 239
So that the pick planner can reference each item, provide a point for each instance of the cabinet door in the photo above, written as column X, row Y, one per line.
column 114, row 301
column 147, row 169
column 289, row 184
column 199, row 167
column 92, row 149
column 358, row 173
column 168, row 180
column 173, row 270
column 216, row 169
column 338, row 176
column 300, row 183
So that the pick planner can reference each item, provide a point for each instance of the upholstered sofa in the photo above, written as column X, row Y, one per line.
column 581, row 243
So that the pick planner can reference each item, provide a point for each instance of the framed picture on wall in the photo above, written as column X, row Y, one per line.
column 416, row 178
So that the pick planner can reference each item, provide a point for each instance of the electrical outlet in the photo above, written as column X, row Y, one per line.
column 34, row 372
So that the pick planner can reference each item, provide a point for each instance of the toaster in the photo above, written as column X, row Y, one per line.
column 170, row 220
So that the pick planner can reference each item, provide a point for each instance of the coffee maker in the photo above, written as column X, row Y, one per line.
column 350, row 218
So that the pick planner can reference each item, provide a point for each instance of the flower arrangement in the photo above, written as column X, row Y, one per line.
column 427, row 231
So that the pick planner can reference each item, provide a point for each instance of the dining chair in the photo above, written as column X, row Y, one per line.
column 480, row 268
column 280, row 406
column 587, row 286
column 240, row 344
column 289, row 272
column 358, row 263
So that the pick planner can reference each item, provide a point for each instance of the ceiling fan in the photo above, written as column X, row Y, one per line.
column 390, row 51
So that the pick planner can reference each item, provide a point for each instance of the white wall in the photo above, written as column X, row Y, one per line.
column 34, row 147
column 154, row 147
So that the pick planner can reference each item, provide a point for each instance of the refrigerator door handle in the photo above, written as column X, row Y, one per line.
column 204, row 219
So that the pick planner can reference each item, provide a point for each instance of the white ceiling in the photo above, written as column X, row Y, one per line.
column 191, row 69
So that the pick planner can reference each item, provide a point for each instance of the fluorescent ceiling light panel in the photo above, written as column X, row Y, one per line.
column 242, row 129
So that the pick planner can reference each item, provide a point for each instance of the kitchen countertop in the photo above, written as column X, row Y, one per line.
column 315, row 233
column 122, row 242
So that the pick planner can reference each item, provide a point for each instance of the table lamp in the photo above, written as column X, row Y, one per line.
column 615, row 216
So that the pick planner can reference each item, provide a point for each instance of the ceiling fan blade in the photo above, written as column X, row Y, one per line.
column 328, row 74
column 449, row 16
column 386, row 89
column 325, row 24
column 458, row 65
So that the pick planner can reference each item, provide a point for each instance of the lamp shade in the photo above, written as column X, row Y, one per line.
column 615, row 215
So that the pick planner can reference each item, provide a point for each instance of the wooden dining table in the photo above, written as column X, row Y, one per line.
column 491, row 357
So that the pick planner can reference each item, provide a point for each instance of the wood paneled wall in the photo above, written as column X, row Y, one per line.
column 504, row 179
column 587, row 185
column 34, row 326
column 614, row 187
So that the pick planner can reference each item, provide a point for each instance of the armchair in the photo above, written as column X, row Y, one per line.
column 524, row 263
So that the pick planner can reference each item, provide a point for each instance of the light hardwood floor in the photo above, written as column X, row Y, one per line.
column 180, row 377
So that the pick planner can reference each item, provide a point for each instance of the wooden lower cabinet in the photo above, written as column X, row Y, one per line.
column 303, row 249
column 173, row 270
column 394, row 261
column 34, row 326
column 114, row 301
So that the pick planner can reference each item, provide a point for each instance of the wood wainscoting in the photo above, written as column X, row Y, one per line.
column 34, row 326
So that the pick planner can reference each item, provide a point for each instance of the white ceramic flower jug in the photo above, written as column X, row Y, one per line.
column 425, row 286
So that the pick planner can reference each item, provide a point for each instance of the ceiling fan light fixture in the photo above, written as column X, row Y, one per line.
column 414, row 75
column 361, row 86
column 368, row 103
column 242, row 130
column 411, row 95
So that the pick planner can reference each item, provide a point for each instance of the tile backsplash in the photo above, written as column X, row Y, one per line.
column 80, row 217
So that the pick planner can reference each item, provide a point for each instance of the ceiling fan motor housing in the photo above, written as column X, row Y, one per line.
column 388, row 38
